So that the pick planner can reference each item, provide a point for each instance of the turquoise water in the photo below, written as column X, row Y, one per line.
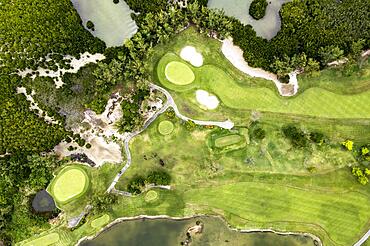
column 113, row 22
column 166, row 232
column 267, row 27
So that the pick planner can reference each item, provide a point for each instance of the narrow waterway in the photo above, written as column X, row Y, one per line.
column 163, row 232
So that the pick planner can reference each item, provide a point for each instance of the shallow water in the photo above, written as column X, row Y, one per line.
column 267, row 27
column 163, row 232
column 113, row 23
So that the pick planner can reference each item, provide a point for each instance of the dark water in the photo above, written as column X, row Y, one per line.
column 166, row 232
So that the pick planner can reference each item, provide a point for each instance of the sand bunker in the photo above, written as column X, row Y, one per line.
column 207, row 100
column 190, row 54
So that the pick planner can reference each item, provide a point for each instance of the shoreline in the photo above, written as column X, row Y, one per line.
column 228, row 225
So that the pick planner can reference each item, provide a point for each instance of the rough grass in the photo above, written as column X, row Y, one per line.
column 70, row 183
column 49, row 239
column 179, row 73
column 275, row 191
column 313, row 102
column 100, row 222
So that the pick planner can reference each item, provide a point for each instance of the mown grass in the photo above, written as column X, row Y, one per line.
column 276, row 191
column 314, row 101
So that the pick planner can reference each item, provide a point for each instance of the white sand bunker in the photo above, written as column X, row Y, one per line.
column 206, row 99
column 190, row 54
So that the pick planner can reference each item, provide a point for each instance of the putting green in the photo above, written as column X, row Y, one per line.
column 165, row 127
column 70, row 183
column 100, row 222
column 227, row 140
column 151, row 196
column 48, row 239
column 179, row 73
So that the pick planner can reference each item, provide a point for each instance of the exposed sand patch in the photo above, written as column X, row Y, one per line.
column 206, row 99
column 190, row 54
column 102, row 135
column 235, row 55
column 76, row 64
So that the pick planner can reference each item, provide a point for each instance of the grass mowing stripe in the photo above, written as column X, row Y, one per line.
column 313, row 102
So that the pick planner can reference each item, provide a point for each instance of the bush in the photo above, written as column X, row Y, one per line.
column 90, row 25
column 159, row 178
column 295, row 135
column 258, row 133
column 258, row 9
column 115, row 1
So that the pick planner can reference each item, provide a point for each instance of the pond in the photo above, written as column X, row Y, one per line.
column 112, row 22
column 267, row 27
column 163, row 232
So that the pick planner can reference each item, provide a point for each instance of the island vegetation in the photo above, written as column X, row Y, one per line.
column 257, row 9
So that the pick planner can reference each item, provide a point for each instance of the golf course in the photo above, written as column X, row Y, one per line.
column 315, row 102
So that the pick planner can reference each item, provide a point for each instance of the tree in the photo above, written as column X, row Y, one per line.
column 257, row 9
column 90, row 25
column 102, row 202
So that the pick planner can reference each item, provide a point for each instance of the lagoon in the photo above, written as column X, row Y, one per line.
column 113, row 22
column 168, row 232
column 267, row 27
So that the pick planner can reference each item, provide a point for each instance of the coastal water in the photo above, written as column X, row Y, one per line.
column 113, row 22
column 167, row 232
column 267, row 27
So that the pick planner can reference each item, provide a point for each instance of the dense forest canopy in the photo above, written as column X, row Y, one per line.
column 30, row 30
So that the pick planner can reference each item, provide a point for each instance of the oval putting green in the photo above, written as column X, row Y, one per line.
column 70, row 183
column 151, row 196
column 227, row 140
column 179, row 73
column 165, row 127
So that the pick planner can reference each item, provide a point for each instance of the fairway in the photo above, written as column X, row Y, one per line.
column 70, row 183
column 100, row 222
column 227, row 140
column 165, row 127
column 312, row 102
column 179, row 73
column 49, row 239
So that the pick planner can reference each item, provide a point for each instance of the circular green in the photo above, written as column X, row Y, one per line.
column 70, row 183
column 165, row 127
column 179, row 73
column 151, row 196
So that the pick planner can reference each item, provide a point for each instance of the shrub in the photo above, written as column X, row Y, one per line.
column 115, row 1
column 258, row 9
column 90, row 25
column 159, row 178
column 295, row 135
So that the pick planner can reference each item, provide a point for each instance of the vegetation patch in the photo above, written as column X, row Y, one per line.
column 165, row 127
column 70, row 183
column 257, row 9
column 151, row 196
column 179, row 73
column 227, row 140
column 49, row 239
column 100, row 222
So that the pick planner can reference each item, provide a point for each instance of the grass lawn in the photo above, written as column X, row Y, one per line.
column 70, row 183
column 313, row 102
column 227, row 140
column 48, row 239
column 100, row 222
column 179, row 73
column 265, row 184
